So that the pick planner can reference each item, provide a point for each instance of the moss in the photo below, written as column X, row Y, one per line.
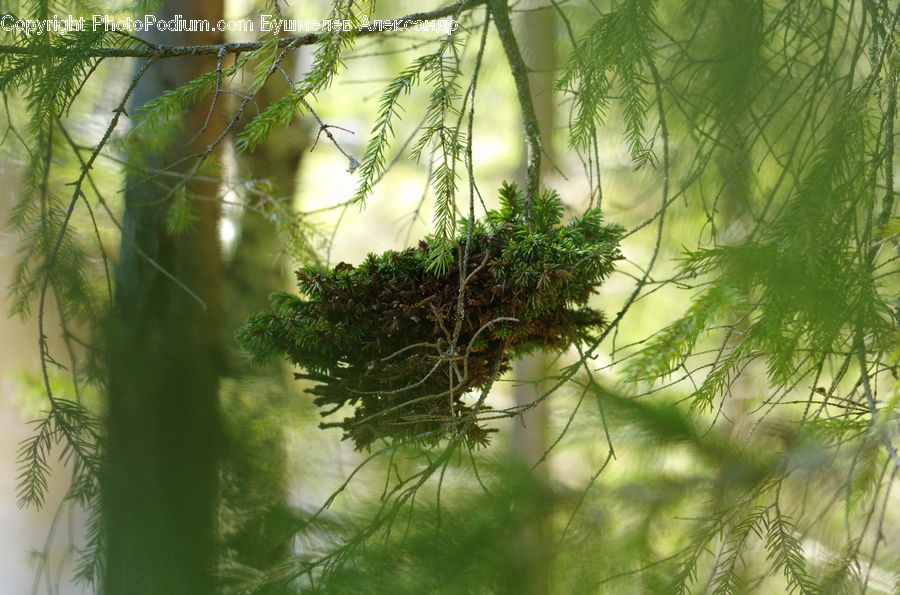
column 389, row 337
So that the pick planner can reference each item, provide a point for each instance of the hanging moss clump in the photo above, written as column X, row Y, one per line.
column 386, row 337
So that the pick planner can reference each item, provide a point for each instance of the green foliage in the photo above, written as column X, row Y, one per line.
column 40, row 221
column 726, row 578
column 440, row 70
column 404, row 343
column 326, row 62
column 804, row 285
column 48, row 80
column 48, row 77
column 69, row 426
column 841, row 577
column 778, row 126
column 256, row 525
column 182, row 213
column 448, row 143
column 456, row 546
column 806, row 267
column 661, row 356
column 618, row 43
column 171, row 103
column 786, row 554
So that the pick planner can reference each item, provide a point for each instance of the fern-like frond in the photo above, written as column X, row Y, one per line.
column 786, row 553
column 326, row 64
column 436, row 68
column 618, row 47
column 668, row 349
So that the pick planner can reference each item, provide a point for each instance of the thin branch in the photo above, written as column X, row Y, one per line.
column 500, row 12
column 871, row 403
column 76, row 194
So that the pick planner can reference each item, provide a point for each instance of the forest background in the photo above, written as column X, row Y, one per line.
column 730, row 429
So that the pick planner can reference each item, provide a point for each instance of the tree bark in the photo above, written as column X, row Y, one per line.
column 529, row 438
column 164, row 431
column 256, row 479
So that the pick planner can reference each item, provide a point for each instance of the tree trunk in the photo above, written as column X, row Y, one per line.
column 256, row 479
column 164, row 358
column 257, row 267
column 529, row 438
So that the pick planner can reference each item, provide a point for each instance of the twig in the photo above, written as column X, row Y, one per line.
column 76, row 194
column 121, row 229
column 500, row 12
column 215, row 97
column 870, row 401
column 352, row 163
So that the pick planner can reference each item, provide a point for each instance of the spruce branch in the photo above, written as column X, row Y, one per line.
column 500, row 12
column 871, row 402
column 352, row 163
column 112, row 217
column 76, row 194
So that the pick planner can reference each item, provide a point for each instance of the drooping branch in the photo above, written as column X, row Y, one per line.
column 158, row 52
column 500, row 12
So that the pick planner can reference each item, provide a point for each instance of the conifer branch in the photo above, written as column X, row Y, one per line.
column 870, row 400
column 112, row 217
column 500, row 12
column 76, row 194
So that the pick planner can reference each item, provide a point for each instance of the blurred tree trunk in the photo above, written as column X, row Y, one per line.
column 257, row 266
column 529, row 438
column 539, row 28
column 165, row 357
column 256, row 485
